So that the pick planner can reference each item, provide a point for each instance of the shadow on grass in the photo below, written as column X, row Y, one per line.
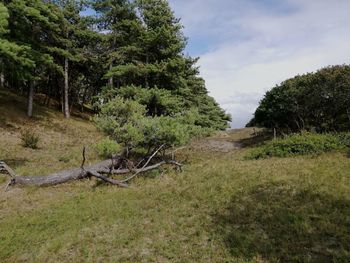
column 14, row 163
column 256, row 139
column 280, row 223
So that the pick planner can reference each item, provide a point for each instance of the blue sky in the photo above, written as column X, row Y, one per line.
column 246, row 47
column 249, row 46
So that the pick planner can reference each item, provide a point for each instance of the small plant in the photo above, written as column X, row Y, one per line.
column 107, row 147
column 64, row 159
column 30, row 139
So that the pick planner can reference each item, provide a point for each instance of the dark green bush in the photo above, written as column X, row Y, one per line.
column 316, row 101
column 301, row 144
column 127, row 122
column 30, row 139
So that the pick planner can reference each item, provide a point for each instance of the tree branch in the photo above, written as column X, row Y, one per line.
column 144, row 166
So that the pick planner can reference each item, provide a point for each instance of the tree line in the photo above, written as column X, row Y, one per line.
column 318, row 101
column 129, row 50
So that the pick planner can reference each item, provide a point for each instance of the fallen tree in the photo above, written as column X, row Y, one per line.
column 101, row 171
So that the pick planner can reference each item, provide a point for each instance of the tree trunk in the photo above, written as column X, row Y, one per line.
column 146, row 77
column 2, row 80
column 2, row 76
column 66, row 89
column 30, row 99
column 110, row 80
column 97, row 170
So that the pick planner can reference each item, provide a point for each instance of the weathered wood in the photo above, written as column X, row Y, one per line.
column 5, row 168
column 66, row 89
column 107, row 180
column 97, row 170
column 60, row 177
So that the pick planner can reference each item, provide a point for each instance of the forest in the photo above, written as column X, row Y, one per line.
column 130, row 50
column 112, row 148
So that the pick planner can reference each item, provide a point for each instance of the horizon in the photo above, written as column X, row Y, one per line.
column 248, row 47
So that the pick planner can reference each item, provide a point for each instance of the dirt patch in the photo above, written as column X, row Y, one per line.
column 216, row 145
column 230, row 140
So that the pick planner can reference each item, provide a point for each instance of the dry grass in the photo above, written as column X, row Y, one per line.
column 61, row 140
column 222, row 208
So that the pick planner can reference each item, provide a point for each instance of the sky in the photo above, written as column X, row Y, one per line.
column 246, row 47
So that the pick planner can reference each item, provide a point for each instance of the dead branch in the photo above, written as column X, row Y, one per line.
column 84, row 159
column 144, row 166
column 106, row 179
column 97, row 171
column 4, row 168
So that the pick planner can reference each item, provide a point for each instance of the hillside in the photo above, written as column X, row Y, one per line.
column 220, row 208
column 61, row 140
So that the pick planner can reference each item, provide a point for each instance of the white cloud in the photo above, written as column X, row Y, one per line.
column 256, row 46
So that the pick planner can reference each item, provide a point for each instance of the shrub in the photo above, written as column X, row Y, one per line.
column 301, row 144
column 344, row 139
column 30, row 139
column 107, row 147
column 127, row 122
column 316, row 101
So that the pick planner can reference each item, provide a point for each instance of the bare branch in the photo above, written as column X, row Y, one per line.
column 106, row 179
column 144, row 166
column 5, row 168
column 84, row 159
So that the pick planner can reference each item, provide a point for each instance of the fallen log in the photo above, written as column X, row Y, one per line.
column 98, row 171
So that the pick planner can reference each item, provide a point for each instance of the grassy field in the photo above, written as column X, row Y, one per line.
column 221, row 208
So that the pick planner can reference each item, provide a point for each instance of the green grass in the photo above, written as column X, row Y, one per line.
column 222, row 208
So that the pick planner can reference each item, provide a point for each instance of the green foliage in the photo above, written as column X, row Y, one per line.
column 127, row 121
column 121, row 119
column 30, row 139
column 316, row 101
column 137, row 45
column 4, row 15
column 344, row 138
column 107, row 147
column 165, row 130
column 151, row 67
column 301, row 144
column 157, row 101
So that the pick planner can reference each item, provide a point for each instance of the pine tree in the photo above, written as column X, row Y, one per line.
column 158, row 63
column 70, row 42
column 121, row 30
column 31, row 23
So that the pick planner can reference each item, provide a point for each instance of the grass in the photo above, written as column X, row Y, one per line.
column 222, row 208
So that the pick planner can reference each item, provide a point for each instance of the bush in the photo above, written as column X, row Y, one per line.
column 30, row 139
column 316, row 101
column 344, row 139
column 127, row 122
column 107, row 147
column 301, row 144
